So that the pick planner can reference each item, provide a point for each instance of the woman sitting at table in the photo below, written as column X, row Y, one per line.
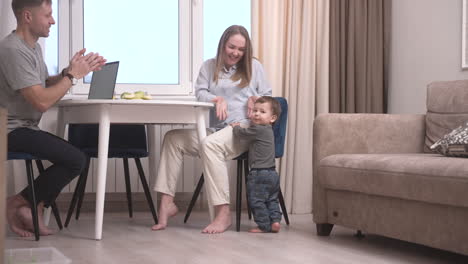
column 233, row 80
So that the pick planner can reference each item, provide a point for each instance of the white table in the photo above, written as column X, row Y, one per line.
column 105, row 112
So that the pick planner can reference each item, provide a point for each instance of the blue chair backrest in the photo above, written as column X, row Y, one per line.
column 279, row 128
column 124, row 140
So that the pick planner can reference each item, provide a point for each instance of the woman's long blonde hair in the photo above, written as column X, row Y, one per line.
column 244, row 66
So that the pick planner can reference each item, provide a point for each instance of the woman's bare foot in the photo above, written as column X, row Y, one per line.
column 167, row 209
column 275, row 227
column 221, row 222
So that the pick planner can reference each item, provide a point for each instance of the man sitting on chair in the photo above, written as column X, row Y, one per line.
column 26, row 91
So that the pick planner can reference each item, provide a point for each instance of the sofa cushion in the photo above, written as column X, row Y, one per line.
column 422, row 177
column 447, row 109
column 454, row 144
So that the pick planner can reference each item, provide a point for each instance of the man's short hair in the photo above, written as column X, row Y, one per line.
column 275, row 106
column 19, row 5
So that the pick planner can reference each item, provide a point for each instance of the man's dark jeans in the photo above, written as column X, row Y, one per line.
column 67, row 161
column 262, row 192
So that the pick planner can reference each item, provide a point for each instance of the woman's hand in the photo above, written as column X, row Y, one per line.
column 221, row 107
column 250, row 105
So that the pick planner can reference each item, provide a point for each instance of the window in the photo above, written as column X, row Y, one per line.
column 159, row 43
column 144, row 38
column 215, row 21
column 51, row 44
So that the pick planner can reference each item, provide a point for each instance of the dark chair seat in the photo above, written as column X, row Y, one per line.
column 20, row 156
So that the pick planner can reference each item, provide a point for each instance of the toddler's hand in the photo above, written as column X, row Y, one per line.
column 234, row 124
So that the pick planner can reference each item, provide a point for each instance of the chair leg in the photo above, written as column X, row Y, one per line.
column 55, row 210
column 239, row 195
column 32, row 193
column 74, row 200
column 56, row 215
column 40, row 166
column 194, row 197
column 128, row 187
column 246, row 174
column 283, row 207
column 76, row 193
column 82, row 190
column 144, row 183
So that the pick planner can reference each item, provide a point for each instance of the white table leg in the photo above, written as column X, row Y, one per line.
column 151, row 133
column 201, row 130
column 103, row 151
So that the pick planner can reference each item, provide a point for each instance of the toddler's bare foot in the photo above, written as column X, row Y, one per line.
column 256, row 230
column 275, row 227
column 167, row 209
column 221, row 222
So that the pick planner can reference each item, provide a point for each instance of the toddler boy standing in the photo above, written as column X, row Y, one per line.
column 262, row 181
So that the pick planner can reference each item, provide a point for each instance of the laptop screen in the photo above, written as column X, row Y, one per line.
column 103, row 81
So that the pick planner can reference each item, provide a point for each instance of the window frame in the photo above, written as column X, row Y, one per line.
column 190, row 48
column 70, row 40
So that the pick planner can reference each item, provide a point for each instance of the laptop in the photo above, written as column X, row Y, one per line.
column 103, row 81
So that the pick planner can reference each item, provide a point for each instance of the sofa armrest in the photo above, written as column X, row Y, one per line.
column 359, row 134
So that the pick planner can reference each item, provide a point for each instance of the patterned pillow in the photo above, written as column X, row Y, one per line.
column 454, row 144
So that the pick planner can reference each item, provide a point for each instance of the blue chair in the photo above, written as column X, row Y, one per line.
column 125, row 141
column 28, row 158
column 279, row 129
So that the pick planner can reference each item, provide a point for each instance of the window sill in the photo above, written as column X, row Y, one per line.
column 159, row 97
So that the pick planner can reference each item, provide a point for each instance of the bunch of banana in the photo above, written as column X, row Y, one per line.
column 135, row 95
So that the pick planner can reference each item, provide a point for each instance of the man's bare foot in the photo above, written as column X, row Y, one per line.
column 19, row 217
column 43, row 229
column 16, row 225
column 25, row 216
column 167, row 209
column 221, row 222
column 275, row 227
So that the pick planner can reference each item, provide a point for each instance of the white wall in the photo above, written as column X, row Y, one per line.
column 425, row 47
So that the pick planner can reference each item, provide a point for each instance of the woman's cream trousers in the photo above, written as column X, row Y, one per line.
column 214, row 151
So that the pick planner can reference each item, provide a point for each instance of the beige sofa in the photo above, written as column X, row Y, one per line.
column 375, row 173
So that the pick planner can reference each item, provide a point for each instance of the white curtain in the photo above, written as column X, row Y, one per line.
column 290, row 38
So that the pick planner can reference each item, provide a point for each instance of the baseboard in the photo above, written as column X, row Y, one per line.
column 117, row 202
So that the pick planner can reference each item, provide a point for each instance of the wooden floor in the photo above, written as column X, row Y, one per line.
column 131, row 241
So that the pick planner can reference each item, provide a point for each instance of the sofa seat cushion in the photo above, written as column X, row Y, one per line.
column 422, row 177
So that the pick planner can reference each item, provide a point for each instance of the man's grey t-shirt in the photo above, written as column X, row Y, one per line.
column 20, row 66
